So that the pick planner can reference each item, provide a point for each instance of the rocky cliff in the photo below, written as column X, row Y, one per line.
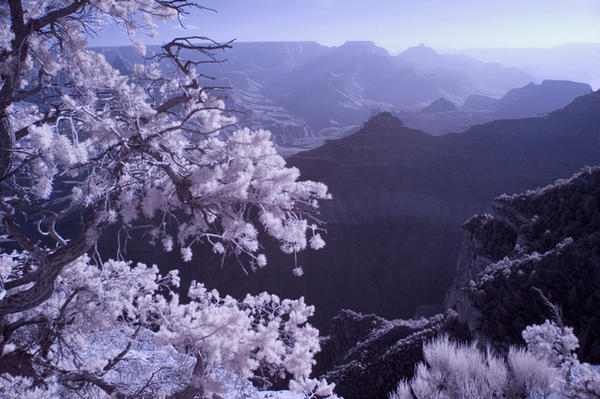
column 538, row 248
column 400, row 196
column 536, row 252
column 366, row 355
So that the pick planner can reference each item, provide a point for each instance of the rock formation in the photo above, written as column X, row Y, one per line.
column 535, row 250
column 366, row 355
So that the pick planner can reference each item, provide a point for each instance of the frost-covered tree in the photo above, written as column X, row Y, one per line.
column 113, row 331
column 83, row 147
column 547, row 368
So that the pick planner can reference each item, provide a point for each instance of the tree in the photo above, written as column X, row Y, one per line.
column 83, row 147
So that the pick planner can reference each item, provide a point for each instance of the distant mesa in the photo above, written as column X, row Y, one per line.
column 418, row 53
column 540, row 98
column 530, row 100
column 361, row 46
column 422, row 57
column 439, row 105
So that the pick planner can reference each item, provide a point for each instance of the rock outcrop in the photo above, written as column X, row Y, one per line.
column 366, row 355
column 400, row 196
column 536, row 249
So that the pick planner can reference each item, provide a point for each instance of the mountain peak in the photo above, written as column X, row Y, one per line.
column 384, row 119
column 420, row 50
column 439, row 105
column 421, row 56
column 363, row 46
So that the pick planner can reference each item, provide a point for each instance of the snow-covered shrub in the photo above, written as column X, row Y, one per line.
column 454, row 370
column 530, row 376
column 546, row 368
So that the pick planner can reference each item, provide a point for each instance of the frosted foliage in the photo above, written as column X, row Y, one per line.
column 317, row 242
column 216, row 181
column 142, row 148
column 551, row 342
column 547, row 368
column 102, row 322
column 83, row 147
column 557, row 344
column 24, row 388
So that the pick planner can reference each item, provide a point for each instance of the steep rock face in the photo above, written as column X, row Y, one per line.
column 343, row 86
column 545, row 240
column 366, row 355
column 536, row 248
column 400, row 195
column 256, row 111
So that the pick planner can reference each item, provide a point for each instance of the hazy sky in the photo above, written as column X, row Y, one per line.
column 393, row 24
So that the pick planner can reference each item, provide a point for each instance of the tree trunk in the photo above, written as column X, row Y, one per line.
column 7, row 143
column 49, row 267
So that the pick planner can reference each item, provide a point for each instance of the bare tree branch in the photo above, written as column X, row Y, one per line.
column 115, row 360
